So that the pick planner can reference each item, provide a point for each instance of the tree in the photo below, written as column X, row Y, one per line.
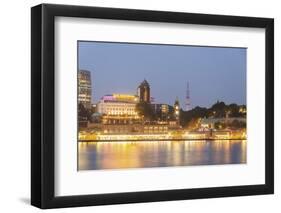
column 193, row 123
column 219, row 125
column 187, row 117
column 83, row 113
column 144, row 109
column 234, row 110
column 218, row 110
column 236, row 124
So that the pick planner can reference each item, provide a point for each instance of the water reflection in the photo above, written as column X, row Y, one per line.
column 117, row 155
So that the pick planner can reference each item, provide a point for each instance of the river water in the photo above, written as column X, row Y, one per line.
column 145, row 154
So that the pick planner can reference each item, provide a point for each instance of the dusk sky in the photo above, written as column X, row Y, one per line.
column 213, row 73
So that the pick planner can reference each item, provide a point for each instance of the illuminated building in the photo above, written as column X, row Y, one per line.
column 162, row 109
column 118, row 108
column 85, row 88
column 177, row 109
column 209, row 123
column 243, row 109
column 222, row 134
column 132, row 129
column 144, row 92
column 165, row 109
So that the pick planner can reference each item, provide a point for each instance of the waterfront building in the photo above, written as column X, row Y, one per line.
column 144, row 92
column 85, row 88
column 118, row 108
column 209, row 123
column 221, row 134
column 133, row 129
column 162, row 109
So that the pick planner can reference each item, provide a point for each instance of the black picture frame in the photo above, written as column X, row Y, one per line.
column 43, row 102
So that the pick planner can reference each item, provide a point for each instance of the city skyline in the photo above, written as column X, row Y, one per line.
column 121, row 67
column 144, row 111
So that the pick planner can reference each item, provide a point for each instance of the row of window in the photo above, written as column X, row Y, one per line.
column 156, row 127
column 121, row 113
column 124, row 131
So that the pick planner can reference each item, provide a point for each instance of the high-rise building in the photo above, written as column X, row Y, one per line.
column 85, row 88
column 144, row 92
column 188, row 102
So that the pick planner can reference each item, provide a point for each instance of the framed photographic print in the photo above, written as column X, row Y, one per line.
column 139, row 106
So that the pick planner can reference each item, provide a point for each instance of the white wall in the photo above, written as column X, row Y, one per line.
column 15, row 105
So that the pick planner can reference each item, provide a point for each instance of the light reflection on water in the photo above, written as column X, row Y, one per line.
column 141, row 154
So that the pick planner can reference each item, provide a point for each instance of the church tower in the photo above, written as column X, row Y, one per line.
column 144, row 92
column 177, row 109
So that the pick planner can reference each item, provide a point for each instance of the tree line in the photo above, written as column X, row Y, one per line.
column 217, row 110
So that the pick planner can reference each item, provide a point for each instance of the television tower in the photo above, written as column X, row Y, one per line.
column 187, row 103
